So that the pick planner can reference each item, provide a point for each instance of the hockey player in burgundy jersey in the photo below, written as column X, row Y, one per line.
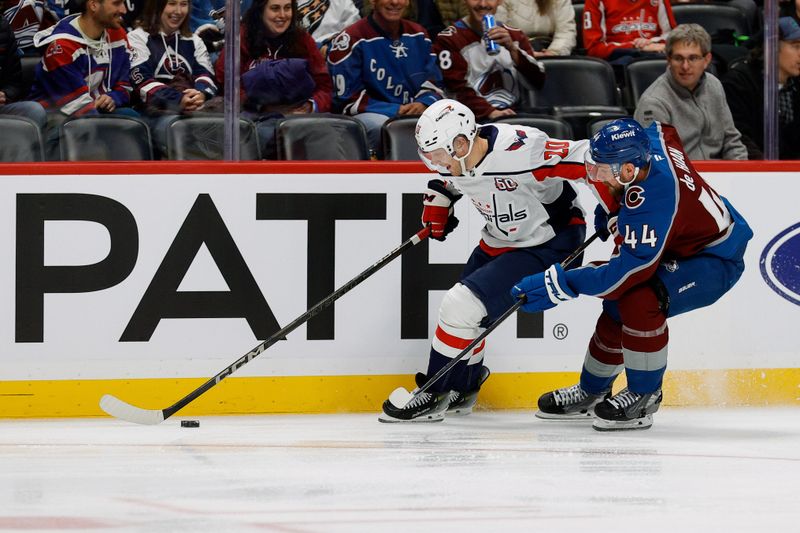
column 679, row 247
column 489, row 84
column 516, row 177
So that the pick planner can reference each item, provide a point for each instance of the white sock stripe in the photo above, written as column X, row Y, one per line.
column 645, row 334
column 461, row 333
column 444, row 349
column 645, row 361
column 603, row 347
column 603, row 370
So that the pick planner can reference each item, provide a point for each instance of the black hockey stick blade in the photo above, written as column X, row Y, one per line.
column 125, row 411
column 400, row 397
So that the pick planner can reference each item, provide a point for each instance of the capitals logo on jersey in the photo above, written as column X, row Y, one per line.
column 519, row 142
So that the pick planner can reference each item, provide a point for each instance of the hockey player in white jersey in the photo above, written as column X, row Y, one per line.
column 517, row 178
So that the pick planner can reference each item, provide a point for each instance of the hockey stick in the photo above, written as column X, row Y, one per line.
column 400, row 396
column 125, row 411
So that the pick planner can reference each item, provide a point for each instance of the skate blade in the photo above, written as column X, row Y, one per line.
column 387, row 419
column 460, row 411
column 610, row 425
column 588, row 416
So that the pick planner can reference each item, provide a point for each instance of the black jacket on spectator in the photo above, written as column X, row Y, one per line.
column 744, row 89
column 10, row 68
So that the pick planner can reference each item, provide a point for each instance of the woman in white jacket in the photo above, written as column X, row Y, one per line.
column 543, row 21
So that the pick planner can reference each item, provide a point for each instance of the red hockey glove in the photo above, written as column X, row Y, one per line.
column 437, row 210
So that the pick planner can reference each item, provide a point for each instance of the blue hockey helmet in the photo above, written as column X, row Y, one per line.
column 618, row 142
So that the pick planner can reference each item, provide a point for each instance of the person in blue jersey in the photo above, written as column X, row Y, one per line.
column 382, row 67
column 170, row 67
column 679, row 247
column 518, row 180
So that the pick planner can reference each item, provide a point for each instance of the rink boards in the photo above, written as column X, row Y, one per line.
column 143, row 280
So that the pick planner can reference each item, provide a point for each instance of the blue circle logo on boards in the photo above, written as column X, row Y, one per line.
column 780, row 264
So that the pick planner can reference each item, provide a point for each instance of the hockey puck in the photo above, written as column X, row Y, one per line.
column 190, row 423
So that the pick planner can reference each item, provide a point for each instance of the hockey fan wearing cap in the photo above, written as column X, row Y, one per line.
column 515, row 177
column 679, row 247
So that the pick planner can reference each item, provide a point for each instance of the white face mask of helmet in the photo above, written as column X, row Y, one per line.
column 438, row 128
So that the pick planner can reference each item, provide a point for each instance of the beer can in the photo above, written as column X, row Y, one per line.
column 488, row 23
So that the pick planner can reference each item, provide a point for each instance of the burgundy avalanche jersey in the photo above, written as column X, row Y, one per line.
column 673, row 213
column 481, row 81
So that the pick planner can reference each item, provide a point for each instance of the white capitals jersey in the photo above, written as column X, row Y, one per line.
column 521, row 186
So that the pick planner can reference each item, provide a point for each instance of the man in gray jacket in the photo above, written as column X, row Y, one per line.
column 692, row 99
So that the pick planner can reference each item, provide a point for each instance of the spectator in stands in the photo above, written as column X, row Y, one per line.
column 790, row 8
column 207, row 21
column 622, row 30
column 424, row 12
column 26, row 17
column 283, row 72
column 170, row 68
column 85, row 67
column 383, row 66
column 323, row 19
column 449, row 12
column 488, row 84
column 692, row 99
column 550, row 24
column 11, row 88
column 744, row 88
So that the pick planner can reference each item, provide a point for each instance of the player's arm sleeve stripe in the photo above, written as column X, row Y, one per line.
column 570, row 170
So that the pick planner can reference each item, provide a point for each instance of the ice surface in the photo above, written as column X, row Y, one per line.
column 696, row 470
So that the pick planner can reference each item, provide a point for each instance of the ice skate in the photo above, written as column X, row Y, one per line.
column 626, row 410
column 426, row 407
column 461, row 403
column 569, row 403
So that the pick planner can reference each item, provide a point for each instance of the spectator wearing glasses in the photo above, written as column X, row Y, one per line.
column 692, row 99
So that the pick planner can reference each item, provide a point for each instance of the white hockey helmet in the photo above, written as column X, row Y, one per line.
column 441, row 123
